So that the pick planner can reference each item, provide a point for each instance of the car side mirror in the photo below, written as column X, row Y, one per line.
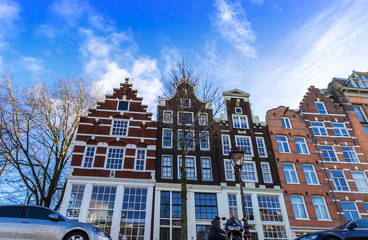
column 54, row 217
column 352, row 226
column 224, row 218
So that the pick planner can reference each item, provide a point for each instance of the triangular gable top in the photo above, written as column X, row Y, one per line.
column 236, row 93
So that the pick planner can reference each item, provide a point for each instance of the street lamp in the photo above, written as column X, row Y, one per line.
column 237, row 159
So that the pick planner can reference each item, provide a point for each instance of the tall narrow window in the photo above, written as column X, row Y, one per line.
column 290, row 173
column 286, row 122
column 298, row 207
column 329, row 154
column 282, row 144
column 248, row 172
column 321, row 108
column 226, row 146
column 318, row 129
column 75, row 202
column 365, row 130
column 188, row 142
column 229, row 170
column 320, row 208
column 206, row 168
column 349, row 154
column 167, row 116
column 166, row 138
column 244, row 144
column 166, row 166
column 360, row 115
column 189, row 166
column 340, row 130
column 119, row 128
column 123, row 105
column 248, row 207
column 339, row 180
column 203, row 119
column 261, row 147
column 349, row 210
column 266, row 172
column 115, row 157
column 310, row 174
column 301, row 145
column 240, row 121
column 360, row 181
column 233, row 206
column 89, row 156
column 140, row 159
column 204, row 140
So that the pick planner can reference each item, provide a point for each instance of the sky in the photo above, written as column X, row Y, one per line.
column 272, row 49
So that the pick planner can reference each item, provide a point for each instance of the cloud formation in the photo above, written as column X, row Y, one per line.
column 9, row 13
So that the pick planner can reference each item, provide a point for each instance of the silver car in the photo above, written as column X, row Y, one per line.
column 40, row 223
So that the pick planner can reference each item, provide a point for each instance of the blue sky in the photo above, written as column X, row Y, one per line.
column 272, row 49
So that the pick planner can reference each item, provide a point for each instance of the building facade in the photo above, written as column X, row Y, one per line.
column 112, row 173
column 309, row 202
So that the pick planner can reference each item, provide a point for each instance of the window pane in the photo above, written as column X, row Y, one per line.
column 123, row 106
column 205, row 205
column 75, row 201
column 115, row 158
column 120, row 128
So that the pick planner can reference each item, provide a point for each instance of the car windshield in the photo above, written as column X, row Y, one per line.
column 341, row 226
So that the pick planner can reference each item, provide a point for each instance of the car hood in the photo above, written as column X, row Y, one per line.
column 322, row 233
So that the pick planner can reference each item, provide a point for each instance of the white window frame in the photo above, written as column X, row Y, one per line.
column 122, row 161
column 353, row 152
column 208, row 141
column 192, row 140
column 264, row 173
column 304, row 142
column 222, row 144
column 236, row 110
column 195, row 167
column 309, row 172
column 324, row 107
column 94, row 155
column 356, row 209
column 346, row 182
column 119, row 120
column 184, row 112
column 255, row 172
column 339, row 129
column 363, row 190
column 229, row 163
column 163, row 137
column 319, row 128
column 293, row 170
column 117, row 106
column 325, row 205
column 200, row 122
column 264, row 147
column 206, row 179
column 250, row 142
column 300, row 204
column 333, row 149
column 282, row 143
column 136, row 159
column 162, row 166
column 285, row 122
column 163, row 116
column 240, row 116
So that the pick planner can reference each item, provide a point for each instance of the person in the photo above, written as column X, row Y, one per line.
column 215, row 230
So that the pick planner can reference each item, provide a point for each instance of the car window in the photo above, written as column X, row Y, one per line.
column 38, row 213
column 11, row 211
column 362, row 223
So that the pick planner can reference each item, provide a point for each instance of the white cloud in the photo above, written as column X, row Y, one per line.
column 257, row 1
column 233, row 26
column 9, row 13
column 32, row 64
column 70, row 10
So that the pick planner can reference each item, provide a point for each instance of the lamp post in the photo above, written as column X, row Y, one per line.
column 237, row 159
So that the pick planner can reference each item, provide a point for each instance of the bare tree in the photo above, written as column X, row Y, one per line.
column 194, row 97
column 38, row 127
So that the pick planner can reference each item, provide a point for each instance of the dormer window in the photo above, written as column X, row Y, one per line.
column 321, row 108
column 123, row 105
column 185, row 102
column 238, row 110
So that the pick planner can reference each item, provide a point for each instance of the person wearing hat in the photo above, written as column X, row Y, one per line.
column 216, row 231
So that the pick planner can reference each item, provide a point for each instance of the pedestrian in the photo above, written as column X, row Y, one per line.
column 216, row 233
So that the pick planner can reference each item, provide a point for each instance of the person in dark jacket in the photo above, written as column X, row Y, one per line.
column 215, row 230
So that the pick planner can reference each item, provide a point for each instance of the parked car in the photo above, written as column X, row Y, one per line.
column 41, row 223
column 356, row 229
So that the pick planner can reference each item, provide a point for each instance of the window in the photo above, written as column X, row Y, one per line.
column 133, row 214
column 189, row 140
column 366, row 130
column 240, row 121
column 233, row 206
column 167, row 138
column 271, row 232
column 202, row 231
column 170, row 213
column 229, row 170
column 248, row 207
column 189, row 166
column 298, row 207
column 123, row 105
column 340, row 130
column 266, row 172
column 203, row 121
column 328, row 154
column 89, row 155
column 204, row 141
column 318, row 129
column 320, row 208
column 167, row 117
column 119, row 128
column 349, row 210
column 248, row 172
column 310, row 174
column 321, row 108
column 285, row 122
column 339, row 180
column 206, row 168
column 205, row 205
column 11, row 211
column 261, row 147
column 349, row 154
column 360, row 115
column 166, row 166
column 360, row 181
column 140, row 159
column 244, row 144
column 238, row 110
column 101, row 207
column 290, row 173
column 75, row 201
column 366, row 207
column 185, row 102
column 301, row 146
column 115, row 158
column 38, row 213
column 185, row 118
column 270, row 208
column 282, row 144
column 226, row 146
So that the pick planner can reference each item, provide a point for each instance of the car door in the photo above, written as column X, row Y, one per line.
column 10, row 217
column 38, row 225
column 358, row 233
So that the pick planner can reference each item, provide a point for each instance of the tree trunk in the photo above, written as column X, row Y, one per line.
column 183, row 198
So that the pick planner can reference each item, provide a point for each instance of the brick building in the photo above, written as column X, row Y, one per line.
column 309, row 202
column 112, row 173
